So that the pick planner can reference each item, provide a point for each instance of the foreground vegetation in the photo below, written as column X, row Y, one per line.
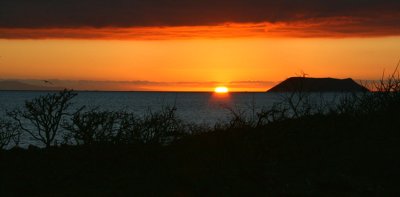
column 295, row 148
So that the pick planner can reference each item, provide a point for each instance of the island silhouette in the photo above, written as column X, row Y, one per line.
column 307, row 84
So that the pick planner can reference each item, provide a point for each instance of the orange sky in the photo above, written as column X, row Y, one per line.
column 195, row 45
column 245, row 57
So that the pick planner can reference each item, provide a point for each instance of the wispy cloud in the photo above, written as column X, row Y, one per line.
column 327, row 28
column 152, row 85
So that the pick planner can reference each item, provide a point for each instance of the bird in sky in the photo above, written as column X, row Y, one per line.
column 49, row 82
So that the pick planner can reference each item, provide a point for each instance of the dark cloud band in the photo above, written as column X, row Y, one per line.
column 44, row 14
column 133, row 13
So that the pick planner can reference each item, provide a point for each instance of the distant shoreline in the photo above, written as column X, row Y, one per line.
column 150, row 91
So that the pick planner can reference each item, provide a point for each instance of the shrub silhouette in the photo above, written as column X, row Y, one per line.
column 160, row 127
column 106, row 127
column 385, row 101
column 93, row 126
column 44, row 115
column 8, row 132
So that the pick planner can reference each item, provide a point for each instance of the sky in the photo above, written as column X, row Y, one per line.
column 181, row 45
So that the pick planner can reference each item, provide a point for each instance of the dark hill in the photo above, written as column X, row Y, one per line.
column 318, row 85
column 17, row 85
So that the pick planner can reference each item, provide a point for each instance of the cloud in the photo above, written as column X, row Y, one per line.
column 141, row 33
column 153, row 85
column 331, row 28
column 308, row 18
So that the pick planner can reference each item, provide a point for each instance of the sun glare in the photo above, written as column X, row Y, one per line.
column 221, row 89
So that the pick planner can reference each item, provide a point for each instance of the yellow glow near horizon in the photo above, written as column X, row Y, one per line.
column 221, row 89
column 245, row 64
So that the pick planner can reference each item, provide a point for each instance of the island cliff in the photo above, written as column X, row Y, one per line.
column 306, row 84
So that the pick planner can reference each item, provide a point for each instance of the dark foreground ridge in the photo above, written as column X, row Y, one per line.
column 312, row 156
column 305, row 84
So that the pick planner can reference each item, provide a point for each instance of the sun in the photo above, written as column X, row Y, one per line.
column 221, row 89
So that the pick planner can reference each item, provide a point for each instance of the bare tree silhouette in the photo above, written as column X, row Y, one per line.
column 44, row 115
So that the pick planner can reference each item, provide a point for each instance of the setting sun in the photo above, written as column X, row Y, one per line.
column 221, row 89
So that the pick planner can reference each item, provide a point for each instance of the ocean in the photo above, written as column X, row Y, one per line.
column 192, row 107
column 197, row 107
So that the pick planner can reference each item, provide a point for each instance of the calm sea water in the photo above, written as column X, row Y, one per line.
column 201, row 108
column 192, row 107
